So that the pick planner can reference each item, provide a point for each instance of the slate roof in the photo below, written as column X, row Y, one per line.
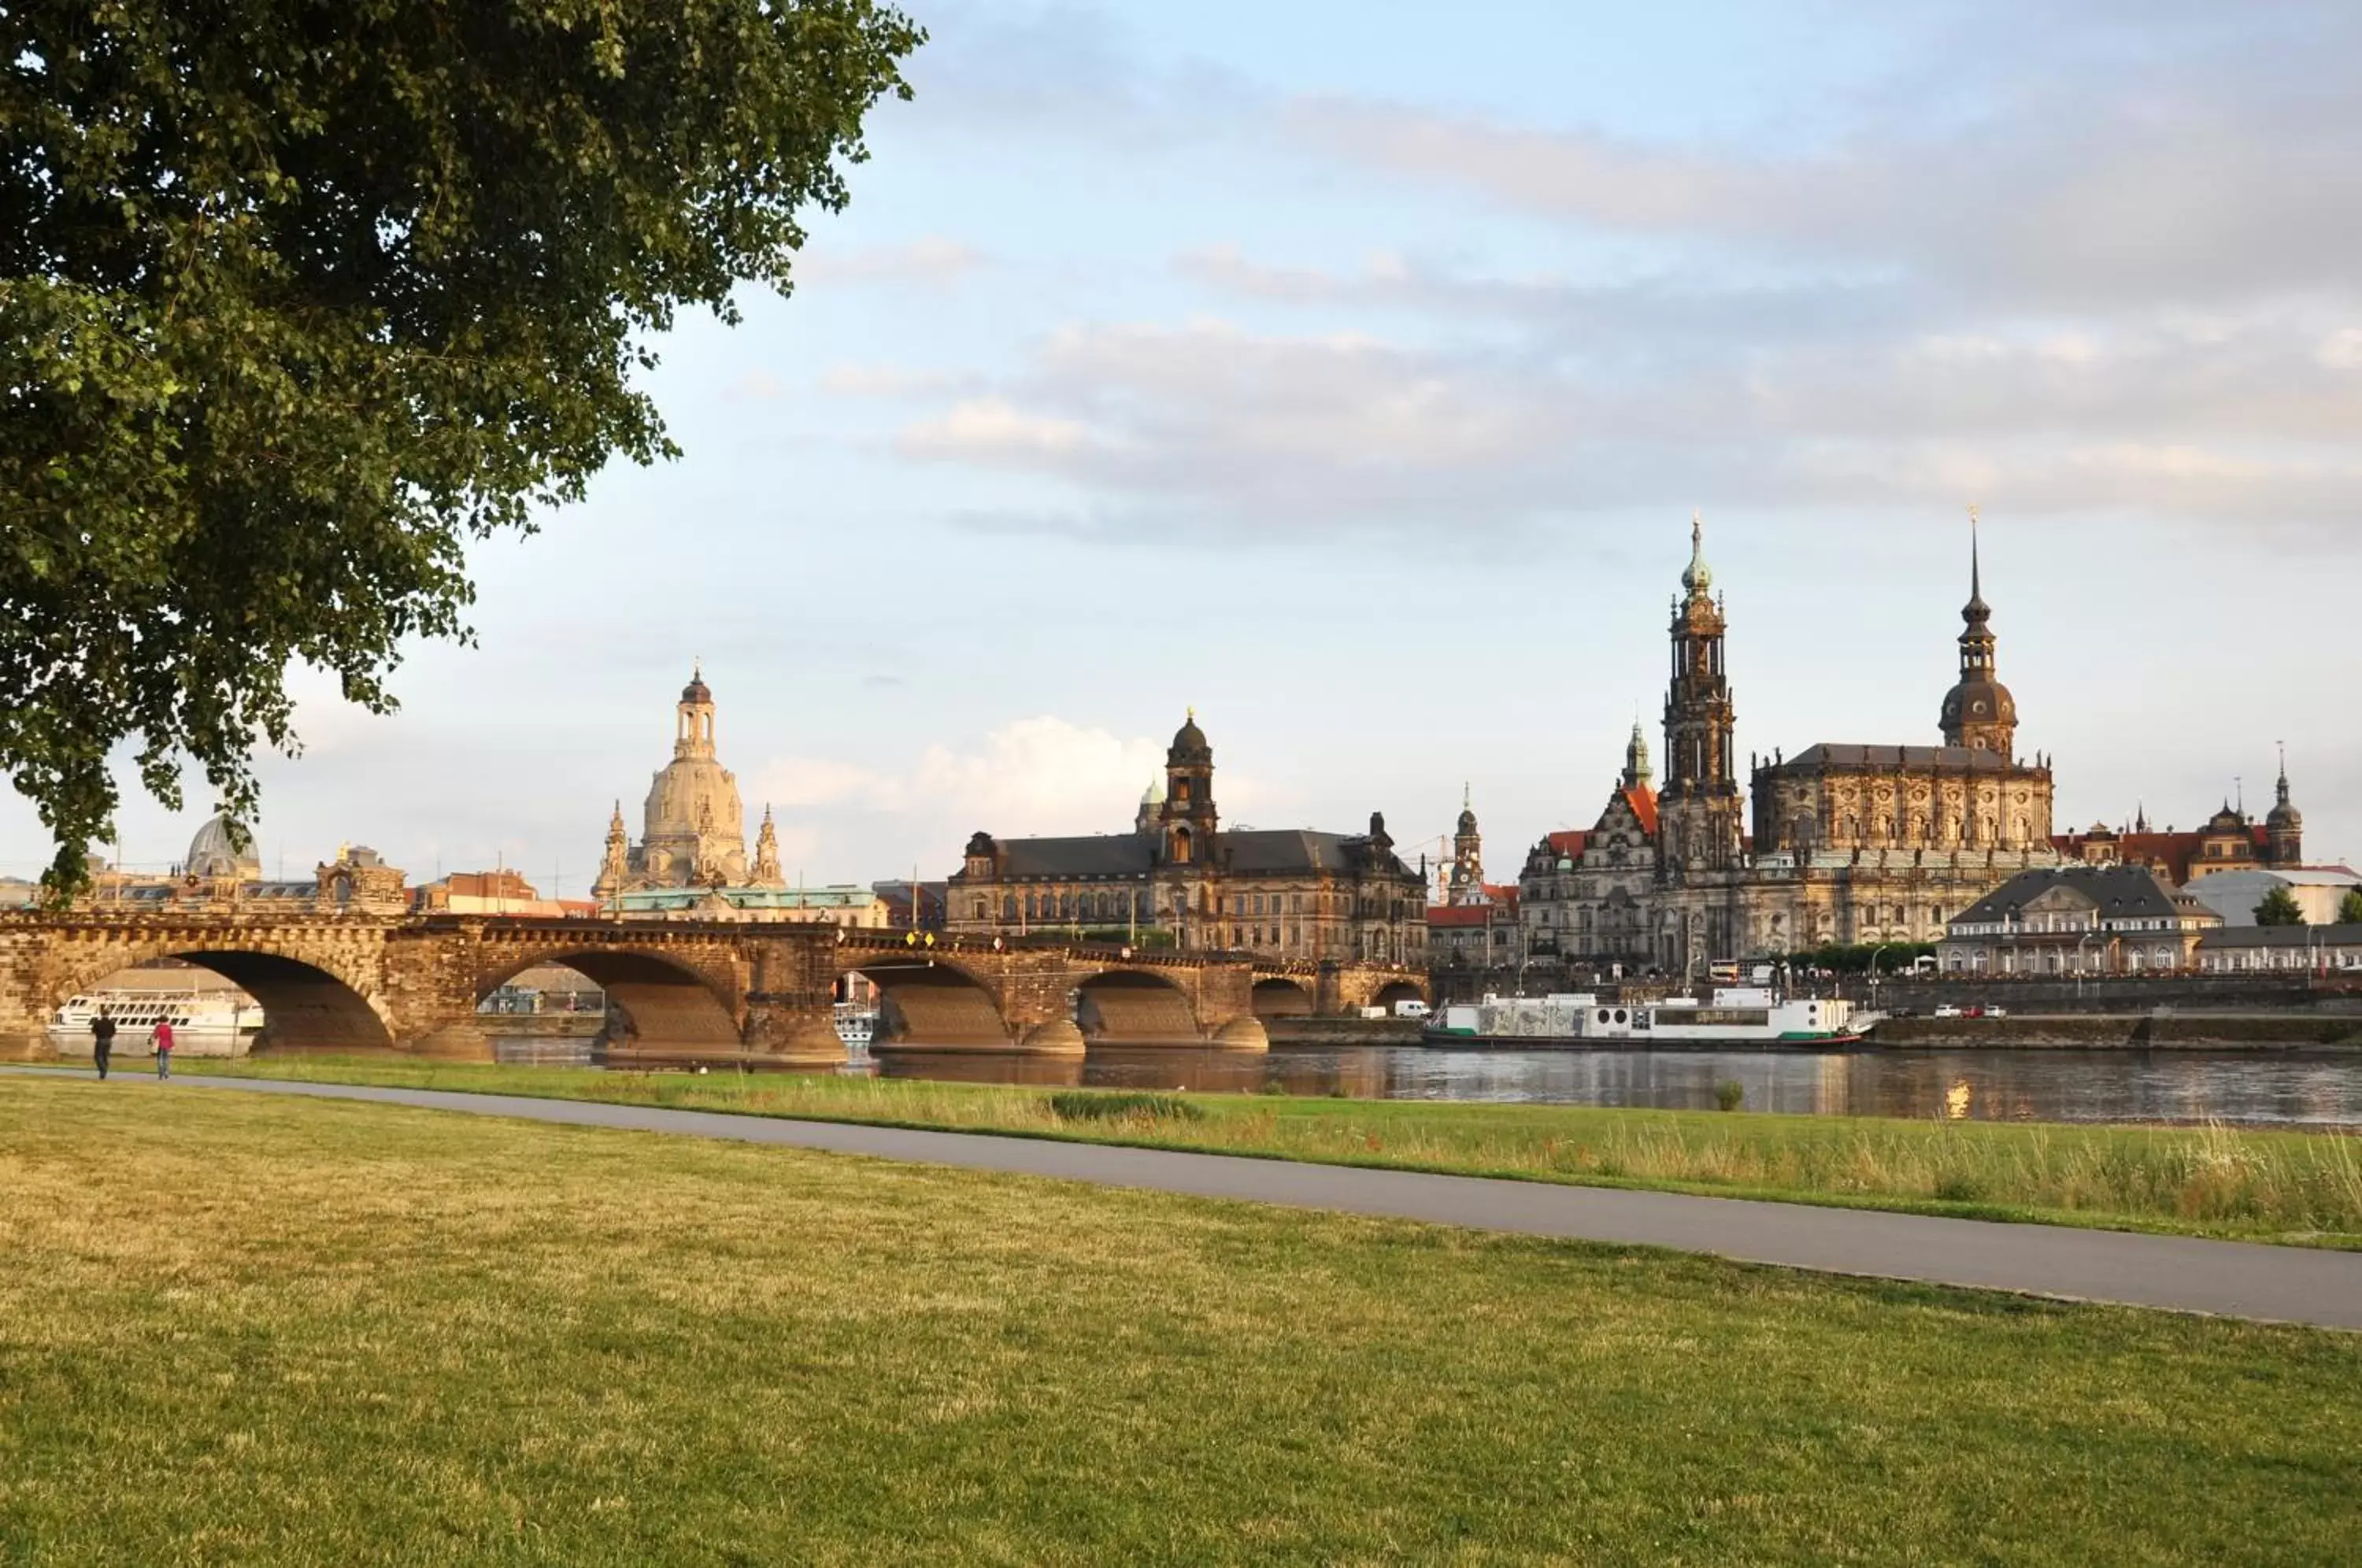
column 1101, row 855
column 1285, row 849
column 2120, row 892
column 1973, row 759
column 1259, row 852
column 2283, row 936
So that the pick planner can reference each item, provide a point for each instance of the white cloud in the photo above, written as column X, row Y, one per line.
column 984, row 429
column 2342, row 349
column 1260, row 431
column 1039, row 775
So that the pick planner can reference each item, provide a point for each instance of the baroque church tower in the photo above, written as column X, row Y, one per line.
column 694, row 830
column 1467, row 883
column 1638, row 774
column 1979, row 713
column 1700, row 807
column 1187, row 817
column 2285, row 826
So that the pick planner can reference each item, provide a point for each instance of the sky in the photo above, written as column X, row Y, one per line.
column 1352, row 373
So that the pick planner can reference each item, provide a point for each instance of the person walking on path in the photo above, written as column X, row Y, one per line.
column 162, row 1039
column 102, row 1039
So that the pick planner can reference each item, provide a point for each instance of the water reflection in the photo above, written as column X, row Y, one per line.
column 2298, row 1088
column 2308, row 1089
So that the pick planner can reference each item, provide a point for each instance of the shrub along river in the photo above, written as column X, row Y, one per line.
column 2296, row 1087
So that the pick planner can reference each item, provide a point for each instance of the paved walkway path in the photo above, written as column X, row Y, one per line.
column 2292, row 1285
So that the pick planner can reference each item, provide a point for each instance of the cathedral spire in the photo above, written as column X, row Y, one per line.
column 1977, row 611
column 1978, row 712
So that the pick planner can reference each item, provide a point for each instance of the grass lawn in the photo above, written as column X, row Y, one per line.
column 2302, row 1187
column 244, row 1330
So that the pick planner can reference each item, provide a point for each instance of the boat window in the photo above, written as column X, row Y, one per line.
column 1622, row 1016
column 1603, row 1015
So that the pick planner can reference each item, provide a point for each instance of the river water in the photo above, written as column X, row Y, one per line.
column 2290, row 1088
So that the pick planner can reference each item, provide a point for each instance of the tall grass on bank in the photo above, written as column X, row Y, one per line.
column 2294, row 1186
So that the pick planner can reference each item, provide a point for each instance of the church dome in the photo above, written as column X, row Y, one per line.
column 214, row 853
column 1976, row 702
column 1189, row 743
column 697, row 691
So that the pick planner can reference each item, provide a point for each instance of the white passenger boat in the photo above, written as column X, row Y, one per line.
column 205, row 1021
column 1735, row 1016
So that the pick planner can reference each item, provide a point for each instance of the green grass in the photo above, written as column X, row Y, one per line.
column 2295, row 1187
column 247, row 1330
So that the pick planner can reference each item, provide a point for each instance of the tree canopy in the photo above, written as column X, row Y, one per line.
column 2350, row 907
column 298, row 297
column 2279, row 908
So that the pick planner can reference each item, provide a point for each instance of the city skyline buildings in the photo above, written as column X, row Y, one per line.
column 1355, row 385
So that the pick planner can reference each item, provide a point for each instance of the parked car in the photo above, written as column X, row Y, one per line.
column 1996, row 1012
column 1947, row 1011
column 1410, row 1010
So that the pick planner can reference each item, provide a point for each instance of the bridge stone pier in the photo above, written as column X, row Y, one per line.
column 759, row 995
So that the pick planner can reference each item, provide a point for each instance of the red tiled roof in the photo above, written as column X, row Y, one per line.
column 1643, row 801
column 1504, row 894
column 1570, row 843
column 2175, row 853
column 1457, row 914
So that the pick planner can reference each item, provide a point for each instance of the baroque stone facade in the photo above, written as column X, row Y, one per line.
column 1851, row 842
column 693, row 836
column 693, row 829
column 1178, row 877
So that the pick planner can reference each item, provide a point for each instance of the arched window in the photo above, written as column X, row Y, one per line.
column 1008, row 908
column 1181, row 847
column 1065, row 905
column 976, row 909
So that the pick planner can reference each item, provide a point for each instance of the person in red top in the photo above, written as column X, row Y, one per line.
column 163, row 1044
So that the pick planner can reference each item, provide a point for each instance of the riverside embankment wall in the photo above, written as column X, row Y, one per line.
column 2148, row 1031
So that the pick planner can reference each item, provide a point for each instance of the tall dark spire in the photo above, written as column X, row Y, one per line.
column 1979, row 712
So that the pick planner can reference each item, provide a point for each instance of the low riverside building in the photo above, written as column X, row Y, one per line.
column 2281, row 949
column 2320, row 892
column 2078, row 919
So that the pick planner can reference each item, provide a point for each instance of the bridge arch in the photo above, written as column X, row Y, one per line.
column 1397, row 991
column 1135, row 1007
column 930, row 1002
column 657, row 1004
column 311, row 1003
column 1278, row 996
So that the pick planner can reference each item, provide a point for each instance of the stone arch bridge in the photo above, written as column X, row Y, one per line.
column 679, row 991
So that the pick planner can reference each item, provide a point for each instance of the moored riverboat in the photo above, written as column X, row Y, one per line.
column 1731, row 1016
column 205, row 1021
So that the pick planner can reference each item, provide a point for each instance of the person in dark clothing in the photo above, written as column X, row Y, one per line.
column 102, row 1039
